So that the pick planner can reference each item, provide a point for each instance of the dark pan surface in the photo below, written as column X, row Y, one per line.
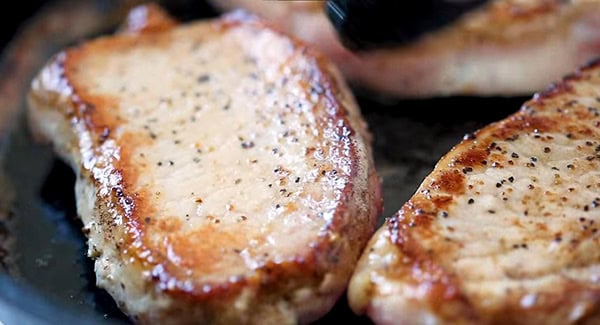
column 52, row 281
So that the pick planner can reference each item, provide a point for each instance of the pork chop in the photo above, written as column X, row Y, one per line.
column 508, row 47
column 224, row 173
column 505, row 228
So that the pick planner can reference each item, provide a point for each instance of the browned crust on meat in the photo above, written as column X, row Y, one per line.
column 503, row 23
column 499, row 19
column 556, row 110
column 338, row 245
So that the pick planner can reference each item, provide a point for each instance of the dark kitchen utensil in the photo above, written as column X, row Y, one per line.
column 365, row 24
column 47, row 278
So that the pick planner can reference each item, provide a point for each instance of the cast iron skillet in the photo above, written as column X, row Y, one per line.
column 46, row 277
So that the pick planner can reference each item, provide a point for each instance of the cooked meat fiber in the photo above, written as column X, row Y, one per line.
column 508, row 47
column 224, row 174
column 505, row 229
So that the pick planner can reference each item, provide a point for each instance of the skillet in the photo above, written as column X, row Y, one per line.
column 45, row 276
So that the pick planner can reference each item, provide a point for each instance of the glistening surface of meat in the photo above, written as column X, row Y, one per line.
column 509, row 47
column 505, row 229
column 223, row 170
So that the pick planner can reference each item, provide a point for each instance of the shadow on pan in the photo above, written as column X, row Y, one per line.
column 52, row 281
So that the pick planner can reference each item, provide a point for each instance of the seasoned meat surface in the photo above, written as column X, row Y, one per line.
column 505, row 228
column 508, row 47
column 224, row 174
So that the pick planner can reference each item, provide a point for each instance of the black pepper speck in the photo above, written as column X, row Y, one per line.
column 203, row 78
column 247, row 144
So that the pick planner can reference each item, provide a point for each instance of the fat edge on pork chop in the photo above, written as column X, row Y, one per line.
column 224, row 173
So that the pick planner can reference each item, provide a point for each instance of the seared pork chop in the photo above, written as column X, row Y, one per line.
column 224, row 173
column 505, row 229
column 508, row 47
